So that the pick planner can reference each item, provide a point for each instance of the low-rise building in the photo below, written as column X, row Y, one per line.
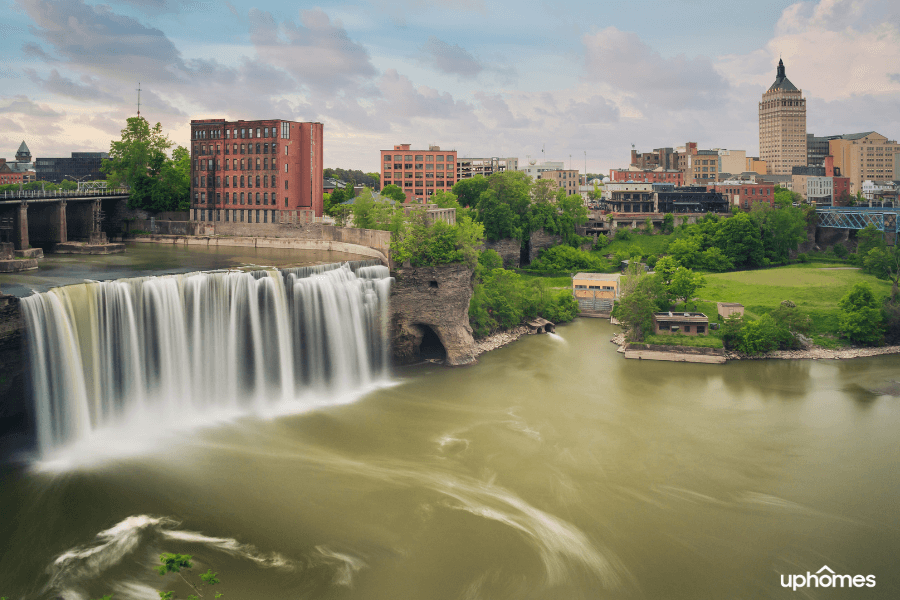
column 596, row 292
column 726, row 309
column 418, row 172
column 658, row 175
column 744, row 194
column 565, row 179
column 20, row 170
column 81, row 166
column 470, row 167
column 687, row 323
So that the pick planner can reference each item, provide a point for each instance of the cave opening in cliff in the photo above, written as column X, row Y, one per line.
column 431, row 346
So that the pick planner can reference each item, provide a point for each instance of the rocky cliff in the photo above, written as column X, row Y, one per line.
column 428, row 302
column 15, row 405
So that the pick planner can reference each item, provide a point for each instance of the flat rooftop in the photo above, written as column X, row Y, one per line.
column 598, row 276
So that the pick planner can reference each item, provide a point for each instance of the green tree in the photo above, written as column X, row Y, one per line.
column 427, row 243
column 139, row 160
column 490, row 260
column 884, row 263
column 861, row 318
column 686, row 251
column 685, row 284
column 364, row 210
column 637, row 302
column 715, row 261
column 468, row 191
column 394, row 192
column 544, row 191
column 740, row 240
column 668, row 224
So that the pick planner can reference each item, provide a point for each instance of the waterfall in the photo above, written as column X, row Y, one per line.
column 162, row 350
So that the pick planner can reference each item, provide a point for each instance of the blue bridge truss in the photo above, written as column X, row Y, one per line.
column 858, row 217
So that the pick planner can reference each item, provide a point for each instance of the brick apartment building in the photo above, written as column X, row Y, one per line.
column 418, row 172
column 744, row 194
column 866, row 155
column 265, row 171
column 565, row 179
column 658, row 175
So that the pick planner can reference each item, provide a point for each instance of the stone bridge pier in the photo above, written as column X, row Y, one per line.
column 46, row 224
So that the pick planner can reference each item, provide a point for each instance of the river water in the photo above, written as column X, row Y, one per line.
column 143, row 259
column 552, row 469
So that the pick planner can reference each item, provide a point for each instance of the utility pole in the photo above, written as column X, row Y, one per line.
column 139, row 98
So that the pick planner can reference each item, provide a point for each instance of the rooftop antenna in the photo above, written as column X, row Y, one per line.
column 139, row 98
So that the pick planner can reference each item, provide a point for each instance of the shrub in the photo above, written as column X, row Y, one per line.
column 803, row 258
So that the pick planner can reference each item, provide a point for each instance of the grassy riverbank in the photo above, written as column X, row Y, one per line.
column 814, row 288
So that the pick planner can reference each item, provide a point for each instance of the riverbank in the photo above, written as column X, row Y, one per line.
column 499, row 339
column 816, row 353
column 812, row 353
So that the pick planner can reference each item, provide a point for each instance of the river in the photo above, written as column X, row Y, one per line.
column 552, row 469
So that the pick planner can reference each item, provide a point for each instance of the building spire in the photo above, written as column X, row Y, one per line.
column 781, row 74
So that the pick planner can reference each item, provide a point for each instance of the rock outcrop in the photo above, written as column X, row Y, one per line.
column 510, row 250
column 426, row 300
column 15, row 418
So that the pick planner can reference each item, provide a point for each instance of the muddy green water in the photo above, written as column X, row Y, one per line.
column 553, row 469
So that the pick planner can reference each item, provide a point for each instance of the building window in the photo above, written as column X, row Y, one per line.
column 285, row 184
column 285, row 168
column 242, row 197
column 242, row 181
column 257, row 197
column 266, row 198
column 243, row 133
column 257, row 164
column 257, row 181
column 285, row 130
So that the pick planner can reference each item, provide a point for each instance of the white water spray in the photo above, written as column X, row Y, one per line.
column 153, row 352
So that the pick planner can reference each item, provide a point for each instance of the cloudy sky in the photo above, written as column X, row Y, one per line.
column 487, row 78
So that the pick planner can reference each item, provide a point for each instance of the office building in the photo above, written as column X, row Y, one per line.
column 782, row 126
column 418, row 172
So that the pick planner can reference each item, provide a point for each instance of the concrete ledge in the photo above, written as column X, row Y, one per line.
column 263, row 242
column 12, row 266
column 83, row 248
column 675, row 356
column 29, row 253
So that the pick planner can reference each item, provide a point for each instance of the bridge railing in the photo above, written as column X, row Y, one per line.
column 42, row 194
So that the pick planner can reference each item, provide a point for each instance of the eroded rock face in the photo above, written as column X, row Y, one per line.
column 435, row 298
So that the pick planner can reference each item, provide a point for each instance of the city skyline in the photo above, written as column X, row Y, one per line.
column 550, row 83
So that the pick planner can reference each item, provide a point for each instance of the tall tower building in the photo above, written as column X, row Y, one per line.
column 782, row 126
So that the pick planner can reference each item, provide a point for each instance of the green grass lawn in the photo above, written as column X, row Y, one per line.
column 647, row 244
column 554, row 282
column 697, row 341
column 815, row 288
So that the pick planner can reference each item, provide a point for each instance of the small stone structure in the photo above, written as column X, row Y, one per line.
column 726, row 309
column 432, row 301
column 540, row 325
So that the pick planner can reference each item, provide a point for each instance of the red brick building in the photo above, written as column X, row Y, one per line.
column 745, row 194
column 840, row 186
column 267, row 171
column 647, row 176
column 7, row 175
column 418, row 172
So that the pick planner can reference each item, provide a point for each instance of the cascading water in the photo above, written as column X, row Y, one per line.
column 159, row 350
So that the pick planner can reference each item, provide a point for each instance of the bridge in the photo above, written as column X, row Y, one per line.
column 858, row 217
column 46, row 218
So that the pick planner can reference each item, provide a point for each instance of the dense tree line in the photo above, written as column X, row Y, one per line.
column 502, row 299
column 511, row 205
column 354, row 177
column 140, row 159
